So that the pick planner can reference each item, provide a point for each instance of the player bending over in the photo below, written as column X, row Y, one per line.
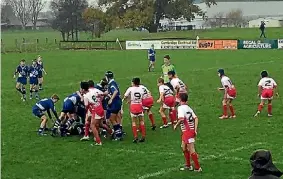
column 151, row 58
column 42, row 106
column 147, row 103
column 22, row 70
column 178, row 85
column 266, row 88
column 41, row 70
column 188, row 121
column 166, row 67
column 229, row 94
column 136, row 92
column 167, row 101
column 33, row 79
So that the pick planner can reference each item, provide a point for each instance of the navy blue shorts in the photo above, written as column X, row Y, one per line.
column 33, row 81
column 22, row 80
column 37, row 112
column 68, row 107
column 152, row 59
column 115, row 107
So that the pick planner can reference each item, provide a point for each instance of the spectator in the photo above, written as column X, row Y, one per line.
column 262, row 29
column 262, row 166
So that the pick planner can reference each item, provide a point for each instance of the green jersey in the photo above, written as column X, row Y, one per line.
column 165, row 70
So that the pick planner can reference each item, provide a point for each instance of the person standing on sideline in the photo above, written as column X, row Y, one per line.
column 151, row 58
column 262, row 29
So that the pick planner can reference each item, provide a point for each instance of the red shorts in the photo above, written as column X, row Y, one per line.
column 147, row 102
column 169, row 102
column 136, row 109
column 267, row 94
column 188, row 136
column 97, row 112
column 231, row 93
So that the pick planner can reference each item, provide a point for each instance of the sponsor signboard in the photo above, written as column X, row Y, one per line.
column 257, row 44
column 142, row 45
column 217, row 44
column 178, row 44
column 280, row 43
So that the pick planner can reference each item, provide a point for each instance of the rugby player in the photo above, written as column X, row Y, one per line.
column 33, row 79
column 266, row 88
column 188, row 122
column 114, row 104
column 135, row 92
column 22, row 70
column 151, row 57
column 167, row 100
column 41, row 70
column 42, row 106
column 229, row 94
column 147, row 102
column 166, row 67
column 178, row 85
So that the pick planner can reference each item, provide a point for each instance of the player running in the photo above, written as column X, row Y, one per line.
column 42, row 106
column 167, row 101
column 178, row 85
column 22, row 70
column 266, row 88
column 229, row 94
column 135, row 92
column 114, row 104
column 33, row 79
column 166, row 67
column 147, row 103
column 151, row 57
column 41, row 70
column 188, row 121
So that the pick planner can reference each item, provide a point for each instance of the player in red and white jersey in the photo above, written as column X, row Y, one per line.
column 147, row 102
column 135, row 93
column 178, row 85
column 229, row 94
column 266, row 88
column 167, row 100
column 94, row 113
column 188, row 121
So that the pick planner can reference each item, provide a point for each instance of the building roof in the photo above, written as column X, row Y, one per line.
column 249, row 9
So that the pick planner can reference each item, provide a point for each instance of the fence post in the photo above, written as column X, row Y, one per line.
column 37, row 41
column 55, row 41
column 16, row 43
column 46, row 40
column 89, row 45
column 106, row 45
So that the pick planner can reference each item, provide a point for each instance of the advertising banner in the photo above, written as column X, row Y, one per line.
column 280, row 43
column 178, row 44
column 218, row 44
column 257, row 44
column 142, row 45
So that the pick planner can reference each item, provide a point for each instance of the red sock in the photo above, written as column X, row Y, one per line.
column 96, row 135
column 87, row 129
column 232, row 110
column 151, row 118
column 171, row 116
column 195, row 159
column 142, row 127
column 164, row 119
column 174, row 114
column 187, row 158
column 135, row 132
column 269, row 108
column 225, row 110
column 260, row 106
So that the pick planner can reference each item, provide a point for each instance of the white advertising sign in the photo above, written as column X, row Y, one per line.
column 280, row 43
column 178, row 44
column 142, row 45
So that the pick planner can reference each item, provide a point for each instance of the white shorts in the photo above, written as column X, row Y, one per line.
column 95, row 116
column 165, row 106
column 263, row 98
column 137, row 115
column 230, row 97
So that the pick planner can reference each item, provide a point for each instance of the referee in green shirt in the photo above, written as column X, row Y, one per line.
column 166, row 67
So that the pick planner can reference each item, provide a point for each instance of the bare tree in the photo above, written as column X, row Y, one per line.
column 36, row 8
column 22, row 10
column 219, row 19
column 235, row 18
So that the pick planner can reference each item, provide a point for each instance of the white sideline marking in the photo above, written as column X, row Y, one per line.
column 202, row 159
column 142, row 152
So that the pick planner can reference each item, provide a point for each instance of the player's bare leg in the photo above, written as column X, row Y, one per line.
column 269, row 108
column 105, row 127
column 164, row 118
column 40, row 82
column 42, row 125
column 142, row 129
column 231, row 107
column 87, row 126
column 36, row 92
column 194, row 155
column 151, row 118
column 187, row 157
column 31, row 90
column 259, row 108
column 135, row 129
column 224, row 106
column 68, row 124
column 93, row 126
column 120, row 121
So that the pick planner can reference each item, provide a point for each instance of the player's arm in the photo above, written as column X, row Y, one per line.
column 43, row 69
column 126, row 95
column 196, row 124
column 16, row 72
column 181, row 117
column 49, row 114
column 54, row 112
column 80, row 95
column 161, row 95
column 114, row 93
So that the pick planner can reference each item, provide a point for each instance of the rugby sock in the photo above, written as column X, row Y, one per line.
column 30, row 93
column 195, row 159
column 187, row 158
column 19, row 90
column 164, row 119
column 171, row 116
column 135, row 132
column 232, row 110
column 269, row 108
column 117, row 130
column 87, row 125
column 260, row 106
column 225, row 110
column 40, row 130
column 36, row 93
column 24, row 92
column 151, row 118
column 40, row 86
column 57, row 123
column 142, row 127
column 174, row 112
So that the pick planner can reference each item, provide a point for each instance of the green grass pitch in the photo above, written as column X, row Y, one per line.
column 224, row 147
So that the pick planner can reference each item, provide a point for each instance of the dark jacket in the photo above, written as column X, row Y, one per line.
column 262, row 166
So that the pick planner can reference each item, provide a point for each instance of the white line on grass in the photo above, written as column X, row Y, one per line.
column 209, row 157
column 142, row 152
